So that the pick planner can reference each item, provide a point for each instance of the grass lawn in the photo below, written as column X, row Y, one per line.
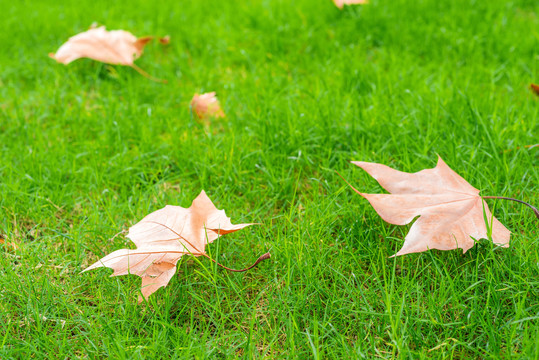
column 87, row 150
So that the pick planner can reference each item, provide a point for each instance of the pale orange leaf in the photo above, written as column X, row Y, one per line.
column 451, row 212
column 163, row 237
column 206, row 106
column 116, row 47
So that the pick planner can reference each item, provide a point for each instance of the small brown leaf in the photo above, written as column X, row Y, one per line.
column 451, row 212
column 535, row 89
column 340, row 3
column 165, row 40
column 206, row 106
column 164, row 236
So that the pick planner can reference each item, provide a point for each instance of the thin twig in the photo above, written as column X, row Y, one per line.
column 522, row 147
column 260, row 259
column 346, row 181
column 535, row 210
column 146, row 75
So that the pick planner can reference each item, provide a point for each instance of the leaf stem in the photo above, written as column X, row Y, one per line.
column 146, row 75
column 260, row 259
column 535, row 210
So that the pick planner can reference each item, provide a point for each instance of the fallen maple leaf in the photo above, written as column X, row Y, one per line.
column 535, row 89
column 451, row 212
column 116, row 47
column 164, row 236
column 206, row 106
column 340, row 3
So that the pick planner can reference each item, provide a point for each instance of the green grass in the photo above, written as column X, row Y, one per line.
column 87, row 150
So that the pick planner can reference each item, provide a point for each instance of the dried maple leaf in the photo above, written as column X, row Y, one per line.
column 206, row 106
column 340, row 3
column 451, row 212
column 164, row 236
column 116, row 47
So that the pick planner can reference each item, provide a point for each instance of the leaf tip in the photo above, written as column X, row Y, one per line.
column 440, row 160
column 141, row 42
